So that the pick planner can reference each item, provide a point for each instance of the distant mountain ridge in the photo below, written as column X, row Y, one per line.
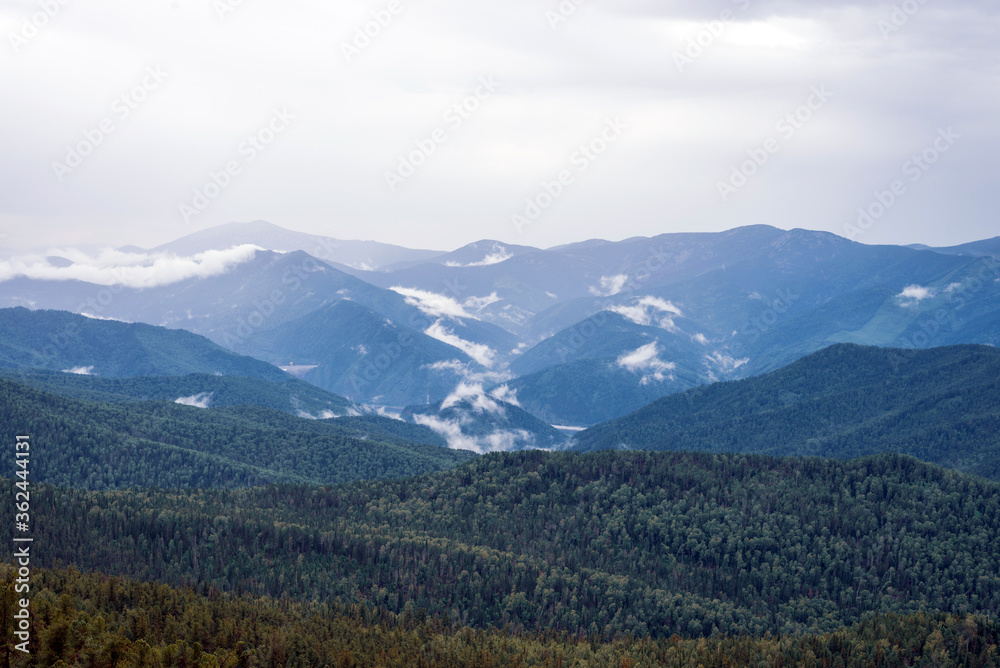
column 368, row 255
column 974, row 248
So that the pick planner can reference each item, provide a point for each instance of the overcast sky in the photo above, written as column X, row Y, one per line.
column 670, row 96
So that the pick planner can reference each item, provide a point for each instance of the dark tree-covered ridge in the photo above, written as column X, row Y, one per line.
column 96, row 445
column 940, row 405
column 92, row 619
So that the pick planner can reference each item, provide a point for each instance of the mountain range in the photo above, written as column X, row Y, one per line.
column 579, row 333
column 84, row 358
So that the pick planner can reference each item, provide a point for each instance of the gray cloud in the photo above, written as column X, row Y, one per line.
column 325, row 173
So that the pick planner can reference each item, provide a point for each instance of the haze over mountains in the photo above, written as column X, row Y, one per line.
column 370, row 255
column 573, row 335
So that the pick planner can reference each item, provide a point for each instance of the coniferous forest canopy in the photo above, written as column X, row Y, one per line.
column 616, row 544
column 92, row 619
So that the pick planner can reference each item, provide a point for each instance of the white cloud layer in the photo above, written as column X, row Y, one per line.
column 203, row 400
column 723, row 363
column 491, row 259
column 451, row 431
column 477, row 304
column 323, row 415
column 467, row 401
column 496, row 441
column 650, row 311
column 442, row 306
column 646, row 361
column 609, row 286
column 129, row 269
column 432, row 303
column 506, row 394
column 477, row 351
column 916, row 293
column 469, row 374
column 473, row 395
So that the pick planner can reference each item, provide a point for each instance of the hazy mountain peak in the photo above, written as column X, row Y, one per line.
column 363, row 255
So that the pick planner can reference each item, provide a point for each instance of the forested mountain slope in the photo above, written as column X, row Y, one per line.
column 96, row 445
column 612, row 542
column 288, row 394
column 98, row 620
column 940, row 405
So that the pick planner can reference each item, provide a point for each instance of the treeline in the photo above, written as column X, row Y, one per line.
column 612, row 543
column 94, row 445
column 940, row 405
column 94, row 620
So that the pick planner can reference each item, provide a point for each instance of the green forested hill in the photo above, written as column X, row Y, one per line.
column 289, row 394
column 95, row 620
column 940, row 405
column 59, row 340
column 611, row 542
column 106, row 446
